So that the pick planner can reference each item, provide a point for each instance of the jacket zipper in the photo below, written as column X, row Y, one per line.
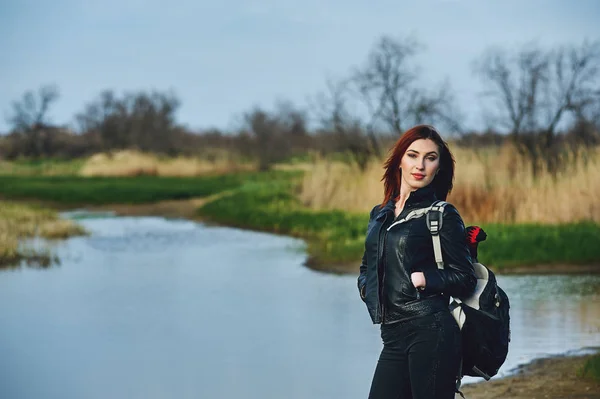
column 396, row 221
column 384, row 257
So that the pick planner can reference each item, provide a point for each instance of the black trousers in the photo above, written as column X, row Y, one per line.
column 420, row 359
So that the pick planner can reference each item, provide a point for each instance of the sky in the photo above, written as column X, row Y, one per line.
column 222, row 58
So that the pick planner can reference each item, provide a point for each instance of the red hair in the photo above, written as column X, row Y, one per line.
column 392, row 177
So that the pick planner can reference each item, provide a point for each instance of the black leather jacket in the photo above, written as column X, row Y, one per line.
column 391, row 256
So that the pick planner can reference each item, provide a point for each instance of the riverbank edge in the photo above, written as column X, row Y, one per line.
column 187, row 209
column 538, row 269
column 557, row 374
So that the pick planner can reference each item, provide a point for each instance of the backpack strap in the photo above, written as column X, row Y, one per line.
column 434, row 220
column 417, row 213
column 434, row 223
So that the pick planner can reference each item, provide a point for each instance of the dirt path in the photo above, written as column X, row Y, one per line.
column 554, row 378
column 186, row 209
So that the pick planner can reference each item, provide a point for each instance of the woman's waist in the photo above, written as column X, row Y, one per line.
column 402, row 309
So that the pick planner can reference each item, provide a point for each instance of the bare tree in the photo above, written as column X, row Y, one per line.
column 29, row 120
column 435, row 107
column 388, row 87
column 329, row 106
column 32, row 110
column 536, row 90
column 333, row 117
column 276, row 136
column 136, row 120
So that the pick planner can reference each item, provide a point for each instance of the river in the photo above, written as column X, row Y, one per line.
column 147, row 307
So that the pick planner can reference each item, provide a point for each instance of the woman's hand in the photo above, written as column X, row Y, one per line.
column 418, row 280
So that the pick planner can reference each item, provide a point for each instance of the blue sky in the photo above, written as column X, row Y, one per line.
column 222, row 58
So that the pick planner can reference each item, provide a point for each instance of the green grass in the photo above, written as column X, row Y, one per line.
column 591, row 368
column 336, row 237
column 71, row 190
column 272, row 207
column 530, row 244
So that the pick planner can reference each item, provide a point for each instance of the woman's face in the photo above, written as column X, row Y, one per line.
column 420, row 163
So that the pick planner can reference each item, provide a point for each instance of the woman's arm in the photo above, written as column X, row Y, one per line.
column 362, row 278
column 458, row 276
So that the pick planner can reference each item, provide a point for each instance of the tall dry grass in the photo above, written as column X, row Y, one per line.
column 134, row 163
column 491, row 185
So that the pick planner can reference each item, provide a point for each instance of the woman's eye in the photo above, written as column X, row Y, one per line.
column 432, row 159
column 412, row 155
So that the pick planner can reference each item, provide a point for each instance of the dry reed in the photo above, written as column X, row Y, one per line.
column 134, row 163
column 491, row 185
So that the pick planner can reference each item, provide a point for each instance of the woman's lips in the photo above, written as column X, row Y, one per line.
column 418, row 176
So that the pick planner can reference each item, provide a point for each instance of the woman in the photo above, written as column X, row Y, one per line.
column 399, row 279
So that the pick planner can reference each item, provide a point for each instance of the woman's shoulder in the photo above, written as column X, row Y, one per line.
column 451, row 213
column 375, row 210
column 450, row 209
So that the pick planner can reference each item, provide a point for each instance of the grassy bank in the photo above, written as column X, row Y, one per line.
column 336, row 239
column 332, row 236
column 591, row 368
column 18, row 222
column 75, row 190
column 41, row 167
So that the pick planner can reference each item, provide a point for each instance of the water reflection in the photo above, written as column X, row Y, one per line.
column 35, row 261
column 35, row 253
column 154, row 308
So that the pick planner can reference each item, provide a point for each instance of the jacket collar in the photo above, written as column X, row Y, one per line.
column 420, row 194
